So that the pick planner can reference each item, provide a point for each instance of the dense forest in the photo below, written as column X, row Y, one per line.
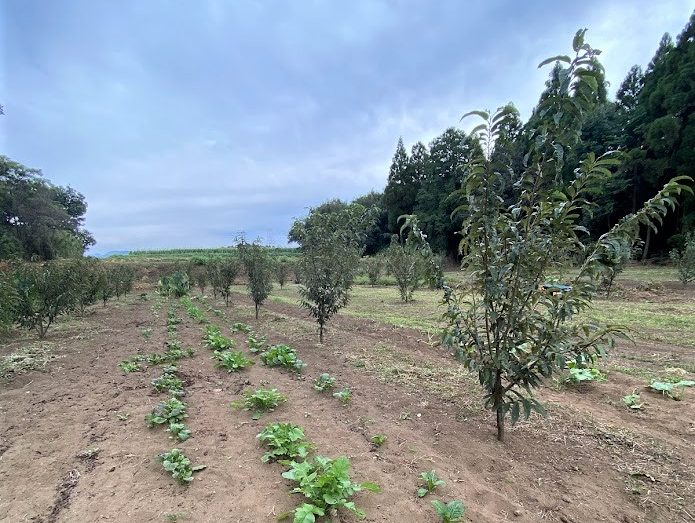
column 650, row 121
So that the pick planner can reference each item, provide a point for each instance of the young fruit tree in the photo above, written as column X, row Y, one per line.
column 259, row 270
column 44, row 292
column 282, row 270
column 227, row 268
column 405, row 264
column 684, row 259
column 331, row 246
column 511, row 327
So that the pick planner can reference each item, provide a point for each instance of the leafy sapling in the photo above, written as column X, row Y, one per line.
column 128, row 366
column 451, row 512
column 430, row 481
column 179, row 466
column 325, row 382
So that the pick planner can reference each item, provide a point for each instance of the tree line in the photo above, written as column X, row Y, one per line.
column 39, row 220
column 650, row 122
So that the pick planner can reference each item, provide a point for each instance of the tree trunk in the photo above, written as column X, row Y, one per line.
column 320, row 332
column 256, row 311
column 499, row 403
column 646, row 243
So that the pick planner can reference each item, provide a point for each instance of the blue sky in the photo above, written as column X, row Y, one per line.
column 187, row 122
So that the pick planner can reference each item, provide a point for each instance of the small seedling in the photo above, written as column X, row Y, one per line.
column 131, row 365
column 146, row 333
column 282, row 356
column 285, row 440
column 123, row 416
column 451, row 512
column 215, row 340
column 171, row 411
column 405, row 415
column 378, row 440
column 232, row 361
column 169, row 382
column 430, row 481
column 180, row 431
column 178, row 465
column 344, row 396
column 632, row 401
column 260, row 401
column 324, row 382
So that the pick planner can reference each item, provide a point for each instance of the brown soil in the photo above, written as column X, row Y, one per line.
column 66, row 456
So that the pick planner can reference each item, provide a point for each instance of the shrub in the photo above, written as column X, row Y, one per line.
column 684, row 259
column 44, row 292
column 282, row 269
column 176, row 284
column 326, row 485
column 178, row 465
column 282, row 356
column 285, row 440
column 373, row 266
column 260, row 401
column 404, row 263
column 378, row 440
column 8, row 300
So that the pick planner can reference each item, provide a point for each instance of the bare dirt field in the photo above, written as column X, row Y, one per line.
column 74, row 446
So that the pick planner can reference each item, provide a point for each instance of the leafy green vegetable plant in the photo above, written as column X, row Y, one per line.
column 241, row 327
column 233, row 361
column 260, row 401
column 327, row 485
column 451, row 512
column 256, row 342
column 129, row 366
column 179, row 431
column 582, row 373
column 282, row 356
column 171, row 411
column 169, row 382
column 673, row 389
column 285, row 440
column 324, row 382
column 378, row 440
column 632, row 401
column 344, row 396
column 216, row 341
column 430, row 481
column 178, row 465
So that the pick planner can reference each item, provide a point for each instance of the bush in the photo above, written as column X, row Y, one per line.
column 373, row 267
column 44, row 292
column 176, row 284
column 282, row 356
column 684, row 259
column 404, row 263
column 8, row 300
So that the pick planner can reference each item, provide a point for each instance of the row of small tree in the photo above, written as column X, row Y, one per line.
column 34, row 295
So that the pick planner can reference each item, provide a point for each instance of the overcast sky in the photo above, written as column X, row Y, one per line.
column 186, row 122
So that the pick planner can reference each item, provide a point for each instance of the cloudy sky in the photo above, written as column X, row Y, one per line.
column 186, row 122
